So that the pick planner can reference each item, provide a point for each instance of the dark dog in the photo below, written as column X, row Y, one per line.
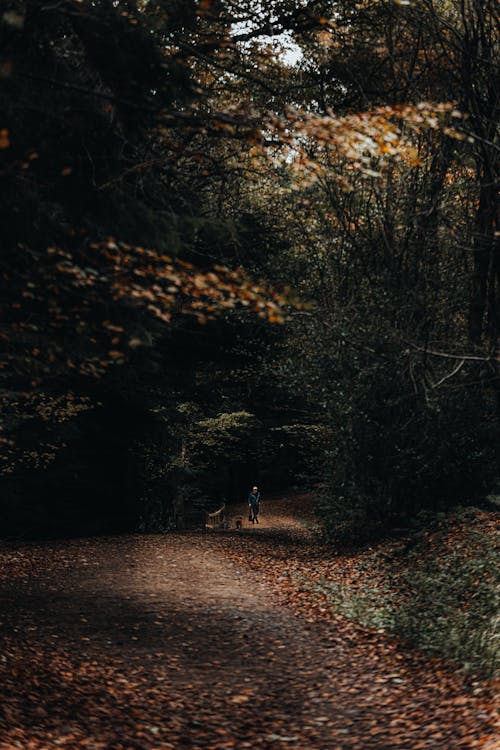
column 239, row 522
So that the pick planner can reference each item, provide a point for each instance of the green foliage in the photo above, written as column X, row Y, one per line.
column 452, row 608
column 220, row 432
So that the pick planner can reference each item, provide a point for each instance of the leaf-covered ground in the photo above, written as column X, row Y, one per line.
column 205, row 641
column 439, row 587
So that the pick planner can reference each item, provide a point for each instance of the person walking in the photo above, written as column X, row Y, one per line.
column 253, row 504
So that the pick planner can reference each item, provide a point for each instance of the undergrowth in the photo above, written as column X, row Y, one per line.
column 440, row 592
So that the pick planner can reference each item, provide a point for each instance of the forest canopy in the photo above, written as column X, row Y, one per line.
column 247, row 241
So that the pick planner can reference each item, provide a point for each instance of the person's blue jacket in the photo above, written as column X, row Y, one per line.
column 254, row 500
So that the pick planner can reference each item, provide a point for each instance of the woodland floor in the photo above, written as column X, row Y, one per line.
column 198, row 641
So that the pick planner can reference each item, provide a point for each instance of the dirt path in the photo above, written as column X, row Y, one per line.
column 163, row 642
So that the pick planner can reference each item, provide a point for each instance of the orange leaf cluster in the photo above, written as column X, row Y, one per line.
column 362, row 141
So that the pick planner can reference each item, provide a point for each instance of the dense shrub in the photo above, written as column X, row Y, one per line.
column 402, row 445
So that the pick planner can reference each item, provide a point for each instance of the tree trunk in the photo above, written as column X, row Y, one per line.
column 485, row 279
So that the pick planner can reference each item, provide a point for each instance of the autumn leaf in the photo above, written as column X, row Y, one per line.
column 4, row 138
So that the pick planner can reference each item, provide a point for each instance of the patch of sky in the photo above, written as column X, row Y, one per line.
column 281, row 43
